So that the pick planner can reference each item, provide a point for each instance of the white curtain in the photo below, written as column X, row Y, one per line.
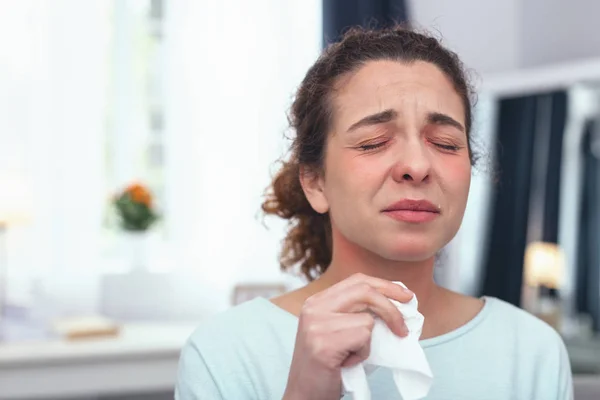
column 53, row 72
column 232, row 68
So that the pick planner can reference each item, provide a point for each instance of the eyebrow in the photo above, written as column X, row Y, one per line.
column 437, row 118
column 383, row 117
column 374, row 119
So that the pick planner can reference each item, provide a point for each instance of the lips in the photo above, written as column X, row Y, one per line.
column 413, row 205
column 413, row 211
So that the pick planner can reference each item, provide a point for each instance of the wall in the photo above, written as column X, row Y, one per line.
column 556, row 32
column 505, row 35
column 484, row 33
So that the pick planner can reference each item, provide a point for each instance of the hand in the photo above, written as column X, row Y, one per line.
column 334, row 331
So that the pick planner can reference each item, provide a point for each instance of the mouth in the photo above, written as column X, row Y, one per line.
column 413, row 211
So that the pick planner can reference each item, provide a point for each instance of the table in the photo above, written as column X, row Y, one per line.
column 143, row 358
column 584, row 355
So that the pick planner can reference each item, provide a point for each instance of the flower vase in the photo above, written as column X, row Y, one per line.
column 136, row 243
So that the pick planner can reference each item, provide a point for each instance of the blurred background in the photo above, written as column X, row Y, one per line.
column 137, row 138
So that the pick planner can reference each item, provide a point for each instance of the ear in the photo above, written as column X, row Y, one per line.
column 313, row 186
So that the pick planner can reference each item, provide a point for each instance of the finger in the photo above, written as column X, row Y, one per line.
column 390, row 289
column 385, row 287
column 363, row 297
column 348, row 322
column 353, row 342
column 357, row 357
column 341, row 335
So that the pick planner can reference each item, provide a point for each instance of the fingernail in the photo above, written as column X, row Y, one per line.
column 403, row 330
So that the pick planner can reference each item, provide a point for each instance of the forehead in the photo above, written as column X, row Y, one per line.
column 380, row 85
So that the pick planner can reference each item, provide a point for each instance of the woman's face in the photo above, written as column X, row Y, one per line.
column 397, row 169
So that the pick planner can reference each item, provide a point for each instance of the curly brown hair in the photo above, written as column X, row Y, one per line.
column 308, row 242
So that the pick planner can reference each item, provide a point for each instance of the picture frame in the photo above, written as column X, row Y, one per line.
column 249, row 291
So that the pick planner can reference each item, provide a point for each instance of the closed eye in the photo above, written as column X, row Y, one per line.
column 447, row 147
column 373, row 146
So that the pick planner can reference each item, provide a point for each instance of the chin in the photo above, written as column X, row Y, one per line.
column 411, row 250
column 402, row 255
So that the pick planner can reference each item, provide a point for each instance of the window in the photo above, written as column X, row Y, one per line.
column 135, row 134
column 189, row 97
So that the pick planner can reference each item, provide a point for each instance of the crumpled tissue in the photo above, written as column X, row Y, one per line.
column 404, row 356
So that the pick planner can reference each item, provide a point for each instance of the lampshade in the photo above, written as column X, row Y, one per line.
column 15, row 198
column 544, row 265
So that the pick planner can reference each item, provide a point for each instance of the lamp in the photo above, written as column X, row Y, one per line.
column 544, row 265
column 543, row 273
column 15, row 208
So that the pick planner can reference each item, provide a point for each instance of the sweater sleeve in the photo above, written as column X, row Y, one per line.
column 195, row 381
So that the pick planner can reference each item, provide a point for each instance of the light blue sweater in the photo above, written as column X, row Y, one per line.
column 503, row 353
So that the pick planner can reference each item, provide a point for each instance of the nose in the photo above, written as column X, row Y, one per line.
column 412, row 163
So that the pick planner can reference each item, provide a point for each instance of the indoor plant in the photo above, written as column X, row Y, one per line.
column 136, row 214
column 135, row 208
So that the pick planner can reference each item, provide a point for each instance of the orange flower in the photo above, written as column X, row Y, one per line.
column 134, row 187
column 142, row 197
column 139, row 194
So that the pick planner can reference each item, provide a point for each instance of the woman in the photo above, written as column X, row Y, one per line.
column 376, row 185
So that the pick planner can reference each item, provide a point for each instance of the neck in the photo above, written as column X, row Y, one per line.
column 349, row 259
column 443, row 310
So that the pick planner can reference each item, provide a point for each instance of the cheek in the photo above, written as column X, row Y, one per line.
column 361, row 177
column 351, row 183
column 456, row 177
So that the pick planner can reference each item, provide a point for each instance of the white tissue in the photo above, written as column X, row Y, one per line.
column 404, row 356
